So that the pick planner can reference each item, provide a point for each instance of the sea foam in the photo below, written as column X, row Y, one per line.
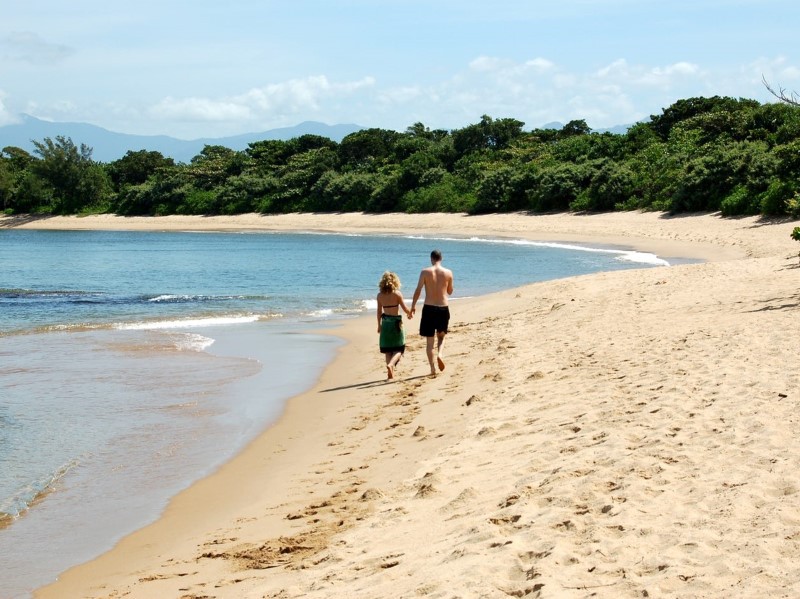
column 186, row 323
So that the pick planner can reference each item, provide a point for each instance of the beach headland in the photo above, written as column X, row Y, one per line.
column 624, row 434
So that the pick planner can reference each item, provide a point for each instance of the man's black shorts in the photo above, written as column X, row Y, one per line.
column 434, row 318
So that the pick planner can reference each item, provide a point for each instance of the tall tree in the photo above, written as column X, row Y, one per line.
column 573, row 128
column 136, row 167
column 75, row 179
column 214, row 164
column 368, row 149
column 489, row 134
column 690, row 107
column 14, row 163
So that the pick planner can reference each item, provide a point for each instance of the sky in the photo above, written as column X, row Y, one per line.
column 195, row 69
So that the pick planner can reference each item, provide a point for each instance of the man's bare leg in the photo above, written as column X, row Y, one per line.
column 429, row 351
column 440, row 350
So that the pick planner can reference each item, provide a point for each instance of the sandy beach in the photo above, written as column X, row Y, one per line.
column 627, row 434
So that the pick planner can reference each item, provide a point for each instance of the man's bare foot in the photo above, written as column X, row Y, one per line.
column 440, row 362
column 389, row 373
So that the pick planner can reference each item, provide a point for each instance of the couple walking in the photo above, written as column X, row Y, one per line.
column 437, row 281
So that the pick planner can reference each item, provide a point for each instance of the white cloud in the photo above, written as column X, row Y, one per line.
column 536, row 91
column 487, row 64
column 57, row 110
column 540, row 65
column 404, row 95
column 539, row 90
column 198, row 109
column 298, row 93
column 565, row 80
column 625, row 74
column 28, row 47
column 778, row 72
column 618, row 68
column 669, row 76
column 791, row 73
column 296, row 96
column 6, row 116
column 680, row 68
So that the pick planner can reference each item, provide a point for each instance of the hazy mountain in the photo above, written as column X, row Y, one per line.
column 619, row 129
column 108, row 146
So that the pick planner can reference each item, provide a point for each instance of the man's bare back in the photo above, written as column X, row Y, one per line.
column 438, row 283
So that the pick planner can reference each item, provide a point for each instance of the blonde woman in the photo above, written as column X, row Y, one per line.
column 390, row 323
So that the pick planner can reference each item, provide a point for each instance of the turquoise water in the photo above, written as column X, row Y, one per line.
column 134, row 363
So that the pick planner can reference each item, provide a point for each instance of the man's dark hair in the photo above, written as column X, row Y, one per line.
column 436, row 256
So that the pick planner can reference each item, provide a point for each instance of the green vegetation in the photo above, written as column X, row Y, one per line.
column 735, row 156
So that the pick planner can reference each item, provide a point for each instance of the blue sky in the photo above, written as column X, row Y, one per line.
column 197, row 68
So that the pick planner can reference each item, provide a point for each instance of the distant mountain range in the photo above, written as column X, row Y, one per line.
column 108, row 146
column 618, row 129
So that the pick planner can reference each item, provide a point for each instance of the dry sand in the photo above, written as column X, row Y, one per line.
column 628, row 434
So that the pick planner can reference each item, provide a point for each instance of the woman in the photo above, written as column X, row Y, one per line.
column 390, row 322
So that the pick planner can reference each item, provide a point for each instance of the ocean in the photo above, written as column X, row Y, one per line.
column 134, row 363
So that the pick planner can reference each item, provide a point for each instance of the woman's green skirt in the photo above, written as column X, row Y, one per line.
column 393, row 335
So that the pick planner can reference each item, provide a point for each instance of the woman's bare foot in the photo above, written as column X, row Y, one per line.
column 440, row 363
column 389, row 373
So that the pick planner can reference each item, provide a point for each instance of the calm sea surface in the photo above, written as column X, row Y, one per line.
column 134, row 363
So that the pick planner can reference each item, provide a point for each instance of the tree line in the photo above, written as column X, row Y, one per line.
column 737, row 156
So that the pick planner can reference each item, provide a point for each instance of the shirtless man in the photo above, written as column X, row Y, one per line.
column 438, row 283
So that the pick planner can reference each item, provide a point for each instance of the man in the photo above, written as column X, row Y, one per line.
column 438, row 283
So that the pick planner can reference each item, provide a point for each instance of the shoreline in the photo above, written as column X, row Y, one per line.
column 673, row 238
column 535, row 461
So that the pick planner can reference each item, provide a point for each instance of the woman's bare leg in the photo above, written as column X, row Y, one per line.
column 392, row 363
column 389, row 366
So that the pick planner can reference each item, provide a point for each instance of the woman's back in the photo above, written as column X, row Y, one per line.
column 390, row 302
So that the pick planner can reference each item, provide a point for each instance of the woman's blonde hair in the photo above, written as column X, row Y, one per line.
column 389, row 282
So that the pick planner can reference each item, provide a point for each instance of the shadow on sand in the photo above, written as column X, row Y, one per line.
column 371, row 384
column 11, row 222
